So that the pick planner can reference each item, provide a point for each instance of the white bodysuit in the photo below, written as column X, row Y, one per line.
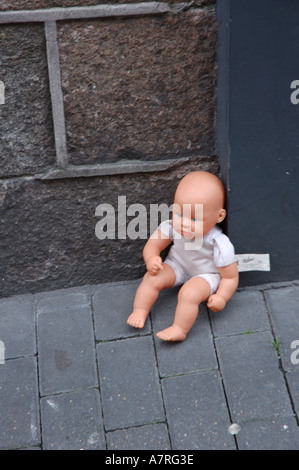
column 216, row 251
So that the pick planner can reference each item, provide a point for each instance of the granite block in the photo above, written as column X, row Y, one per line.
column 254, row 385
column 19, row 418
column 283, row 309
column 152, row 437
column 27, row 141
column 129, row 382
column 195, row 353
column 55, row 245
column 196, row 412
column 72, row 421
column 139, row 88
column 66, row 350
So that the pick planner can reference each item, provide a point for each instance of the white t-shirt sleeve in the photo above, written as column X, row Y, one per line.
column 224, row 252
column 166, row 228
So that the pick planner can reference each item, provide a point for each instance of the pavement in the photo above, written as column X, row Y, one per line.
column 74, row 375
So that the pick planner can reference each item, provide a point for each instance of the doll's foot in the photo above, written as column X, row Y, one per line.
column 173, row 333
column 137, row 318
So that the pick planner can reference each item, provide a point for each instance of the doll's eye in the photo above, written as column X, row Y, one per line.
column 194, row 219
column 179, row 215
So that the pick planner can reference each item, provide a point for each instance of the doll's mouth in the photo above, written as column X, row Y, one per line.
column 187, row 235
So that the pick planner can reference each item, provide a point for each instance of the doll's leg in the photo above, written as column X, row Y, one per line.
column 193, row 292
column 147, row 293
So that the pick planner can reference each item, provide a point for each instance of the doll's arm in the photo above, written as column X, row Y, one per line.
column 151, row 252
column 227, row 287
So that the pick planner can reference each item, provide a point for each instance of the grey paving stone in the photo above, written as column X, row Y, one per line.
column 66, row 350
column 195, row 353
column 246, row 311
column 19, row 417
column 72, row 421
column 61, row 299
column 275, row 434
column 196, row 412
column 112, row 305
column 283, row 308
column 31, row 448
column 17, row 326
column 254, row 385
column 293, row 383
column 129, row 383
column 151, row 437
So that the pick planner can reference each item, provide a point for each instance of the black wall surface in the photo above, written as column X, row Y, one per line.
column 258, row 130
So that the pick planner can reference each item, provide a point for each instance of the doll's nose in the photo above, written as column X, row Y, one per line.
column 185, row 222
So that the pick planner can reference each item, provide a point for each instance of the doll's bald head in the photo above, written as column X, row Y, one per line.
column 201, row 187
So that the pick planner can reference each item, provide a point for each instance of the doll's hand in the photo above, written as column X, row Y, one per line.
column 154, row 264
column 216, row 303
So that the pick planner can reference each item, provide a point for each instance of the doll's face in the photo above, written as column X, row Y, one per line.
column 198, row 205
column 187, row 220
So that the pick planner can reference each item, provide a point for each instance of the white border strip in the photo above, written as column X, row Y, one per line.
column 56, row 94
column 97, row 11
column 119, row 168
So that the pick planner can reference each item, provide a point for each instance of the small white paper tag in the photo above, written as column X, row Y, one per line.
column 253, row 262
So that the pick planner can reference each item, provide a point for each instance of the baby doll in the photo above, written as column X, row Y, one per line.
column 202, row 258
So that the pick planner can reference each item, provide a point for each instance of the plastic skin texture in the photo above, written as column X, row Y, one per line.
column 198, row 187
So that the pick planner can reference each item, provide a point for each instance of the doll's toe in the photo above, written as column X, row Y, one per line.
column 173, row 333
column 137, row 319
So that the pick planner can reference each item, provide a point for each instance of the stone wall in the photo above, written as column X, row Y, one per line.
column 99, row 103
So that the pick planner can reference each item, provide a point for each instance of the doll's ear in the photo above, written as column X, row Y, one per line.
column 221, row 215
